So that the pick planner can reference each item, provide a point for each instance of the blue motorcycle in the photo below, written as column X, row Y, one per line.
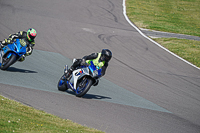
column 81, row 80
column 12, row 53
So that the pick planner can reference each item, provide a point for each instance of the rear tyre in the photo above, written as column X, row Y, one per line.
column 61, row 84
column 8, row 62
column 83, row 88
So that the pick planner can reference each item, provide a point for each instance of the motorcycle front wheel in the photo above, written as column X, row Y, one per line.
column 83, row 87
column 61, row 84
column 8, row 62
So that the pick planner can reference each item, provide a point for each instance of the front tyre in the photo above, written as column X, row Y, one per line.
column 8, row 61
column 61, row 84
column 83, row 87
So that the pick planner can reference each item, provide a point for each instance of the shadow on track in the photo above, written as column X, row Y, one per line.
column 13, row 69
column 89, row 96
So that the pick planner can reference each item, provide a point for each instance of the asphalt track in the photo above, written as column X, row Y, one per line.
column 145, row 90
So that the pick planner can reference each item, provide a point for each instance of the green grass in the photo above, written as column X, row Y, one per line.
column 187, row 49
column 16, row 117
column 177, row 16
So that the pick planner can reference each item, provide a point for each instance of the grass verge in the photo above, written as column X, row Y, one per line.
column 16, row 117
column 176, row 16
column 187, row 49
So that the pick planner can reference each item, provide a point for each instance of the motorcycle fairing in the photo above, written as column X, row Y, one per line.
column 79, row 73
column 76, row 75
column 14, row 48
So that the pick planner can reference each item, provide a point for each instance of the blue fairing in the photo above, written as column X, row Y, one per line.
column 10, row 53
column 18, row 48
column 81, row 79
column 92, row 67
column 70, row 85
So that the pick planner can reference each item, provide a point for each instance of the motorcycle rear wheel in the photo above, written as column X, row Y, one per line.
column 8, row 62
column 81, row 91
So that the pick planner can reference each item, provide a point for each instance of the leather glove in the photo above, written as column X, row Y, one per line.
column 3, row 42
column 6, row 41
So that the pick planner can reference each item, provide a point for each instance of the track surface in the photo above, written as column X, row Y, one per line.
column 145, row 89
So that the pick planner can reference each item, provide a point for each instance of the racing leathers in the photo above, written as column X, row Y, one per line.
column 22, row 36
column 95, row 57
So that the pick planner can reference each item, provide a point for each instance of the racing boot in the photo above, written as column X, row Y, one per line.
column 22, row 58
column 68, row 75
column 65, row 68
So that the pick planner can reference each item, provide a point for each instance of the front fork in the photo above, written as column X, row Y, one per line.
column 83, row 82
column 6, row 57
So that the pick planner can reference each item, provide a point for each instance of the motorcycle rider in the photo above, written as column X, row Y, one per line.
column 25, row 37
column 100, row 60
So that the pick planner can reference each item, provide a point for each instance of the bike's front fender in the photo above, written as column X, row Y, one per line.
column 7, row 55
column 8, row 60
column 10, row 53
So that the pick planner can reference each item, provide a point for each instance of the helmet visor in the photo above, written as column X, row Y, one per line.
column 32, row 36
column 105, row 58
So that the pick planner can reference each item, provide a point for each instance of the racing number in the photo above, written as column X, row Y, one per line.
column 22, row 42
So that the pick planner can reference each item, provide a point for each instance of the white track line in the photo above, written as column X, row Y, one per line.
column 124, row 12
